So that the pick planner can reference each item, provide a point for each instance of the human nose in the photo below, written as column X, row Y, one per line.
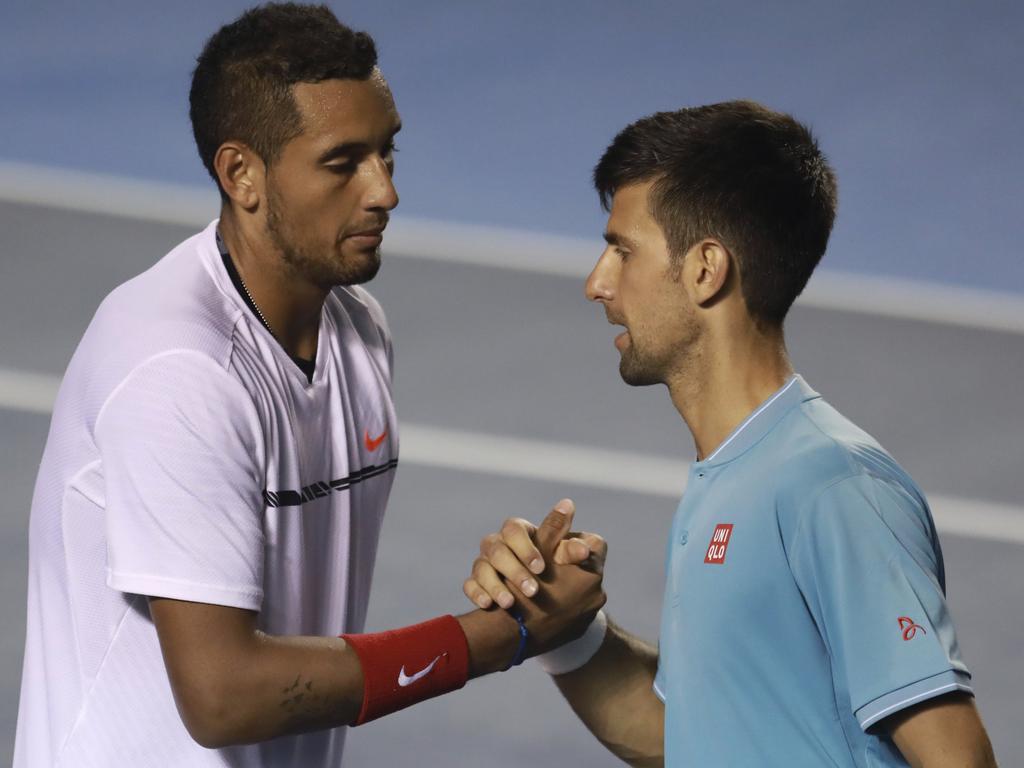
column 380, row 190
column 600, row 285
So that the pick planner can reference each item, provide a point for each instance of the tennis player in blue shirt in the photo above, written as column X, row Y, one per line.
column 804, row 620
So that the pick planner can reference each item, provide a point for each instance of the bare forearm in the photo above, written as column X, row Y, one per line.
column 269, row 687
column 612, row 694
column 276, row 686
column 943, row 732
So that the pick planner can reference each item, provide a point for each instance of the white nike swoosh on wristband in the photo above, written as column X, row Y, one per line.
column 403, row 680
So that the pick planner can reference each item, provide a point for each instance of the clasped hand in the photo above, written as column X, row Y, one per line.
column 551, row 574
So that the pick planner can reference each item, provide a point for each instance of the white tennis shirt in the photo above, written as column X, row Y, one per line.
column 189, row 457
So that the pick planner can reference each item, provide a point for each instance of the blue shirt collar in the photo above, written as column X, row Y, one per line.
column 759, row 423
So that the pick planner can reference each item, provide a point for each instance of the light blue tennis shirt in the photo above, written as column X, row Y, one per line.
column 804, row 597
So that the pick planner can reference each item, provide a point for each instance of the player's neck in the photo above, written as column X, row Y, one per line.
column 732, row 378
column 290, row 305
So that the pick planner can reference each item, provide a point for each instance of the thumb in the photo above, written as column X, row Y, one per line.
column 572, row 551
column 554, row 528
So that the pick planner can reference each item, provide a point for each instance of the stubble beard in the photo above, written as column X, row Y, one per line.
column 640, row 367
column 637, row 370
column 323, row 269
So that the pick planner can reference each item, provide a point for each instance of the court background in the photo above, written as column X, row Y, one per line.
column 507, row 380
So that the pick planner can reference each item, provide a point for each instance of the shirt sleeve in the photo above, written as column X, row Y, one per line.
column 181, row 451
column 659, row 682
column 869, row 566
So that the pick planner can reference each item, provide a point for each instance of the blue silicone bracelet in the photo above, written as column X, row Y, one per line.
column 524, row 636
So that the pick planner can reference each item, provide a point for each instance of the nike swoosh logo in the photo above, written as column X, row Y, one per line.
column 404, row 680
column 373, row 443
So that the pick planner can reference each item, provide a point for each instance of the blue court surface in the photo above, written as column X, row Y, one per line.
column 507, row 382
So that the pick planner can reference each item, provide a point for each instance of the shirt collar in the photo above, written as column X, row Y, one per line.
column 759, row 423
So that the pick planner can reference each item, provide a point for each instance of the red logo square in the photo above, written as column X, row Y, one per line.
column 719, row 543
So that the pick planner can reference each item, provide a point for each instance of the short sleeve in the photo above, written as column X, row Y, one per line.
column 870, row 569
column 181, row 454
column 659, row 682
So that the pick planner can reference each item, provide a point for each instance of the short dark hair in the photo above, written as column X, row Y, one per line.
column 737, row 171
column 241, row 86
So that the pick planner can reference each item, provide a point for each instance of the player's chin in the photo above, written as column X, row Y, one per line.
column 635, row 372
column 359, row 264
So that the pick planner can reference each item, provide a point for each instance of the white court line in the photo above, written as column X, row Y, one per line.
column 498, row 248
column 566, row 463
column 27, row 392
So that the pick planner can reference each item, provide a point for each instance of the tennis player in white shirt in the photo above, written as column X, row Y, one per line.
column 207, row 511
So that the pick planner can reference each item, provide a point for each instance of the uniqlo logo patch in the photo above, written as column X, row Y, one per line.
column 719, row 544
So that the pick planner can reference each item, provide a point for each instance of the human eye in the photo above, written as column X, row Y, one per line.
column 342, row 169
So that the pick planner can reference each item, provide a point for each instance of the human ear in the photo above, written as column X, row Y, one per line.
column 241, row 173
column 709, row 267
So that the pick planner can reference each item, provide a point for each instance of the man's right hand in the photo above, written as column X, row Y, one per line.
column 554, row 575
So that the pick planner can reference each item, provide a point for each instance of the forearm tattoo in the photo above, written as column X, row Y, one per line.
column 302, row 701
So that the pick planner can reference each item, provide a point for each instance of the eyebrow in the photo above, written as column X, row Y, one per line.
column 614, row 238
column 348, row 148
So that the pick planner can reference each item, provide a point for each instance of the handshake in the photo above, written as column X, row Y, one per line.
column 549, row 574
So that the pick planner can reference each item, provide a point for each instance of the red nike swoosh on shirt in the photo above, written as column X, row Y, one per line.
column 373, row 443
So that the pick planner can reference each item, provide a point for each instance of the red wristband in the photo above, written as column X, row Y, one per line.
column 404, row 666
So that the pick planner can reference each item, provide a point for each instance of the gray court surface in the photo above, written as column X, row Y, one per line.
column 501, row 352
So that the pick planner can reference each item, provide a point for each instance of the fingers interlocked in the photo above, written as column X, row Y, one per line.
column 520, row 552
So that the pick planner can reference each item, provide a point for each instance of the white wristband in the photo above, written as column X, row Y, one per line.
column 575, row 654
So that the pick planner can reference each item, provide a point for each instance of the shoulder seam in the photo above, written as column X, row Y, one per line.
column 852, row 470
column 164, row 353
column 817, row 495
column 846, row 456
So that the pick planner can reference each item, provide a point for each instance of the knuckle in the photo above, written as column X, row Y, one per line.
column 487, row 542
column 511, row 527
column 494, row 549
